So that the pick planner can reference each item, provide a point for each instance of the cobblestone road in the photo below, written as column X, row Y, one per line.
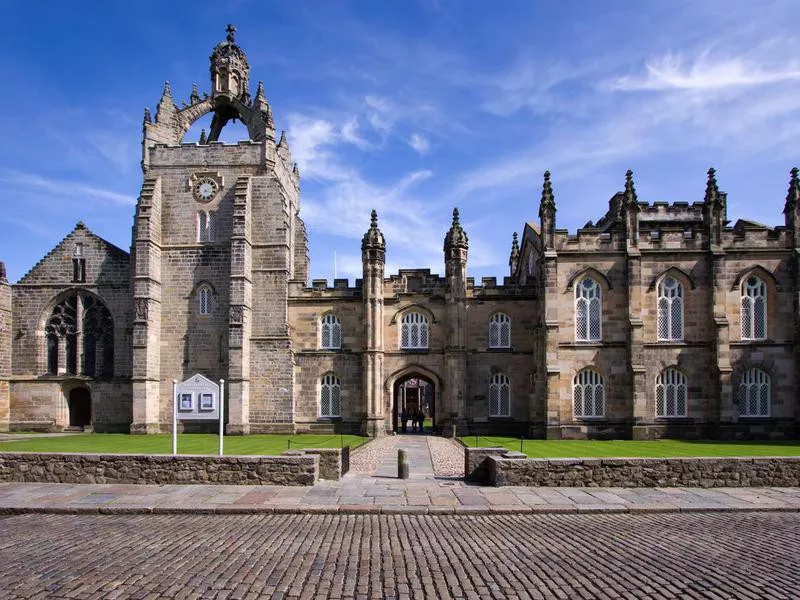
column 719, row 555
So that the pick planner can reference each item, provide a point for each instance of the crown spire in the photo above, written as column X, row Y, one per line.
column 630, row 190
column 231, row 31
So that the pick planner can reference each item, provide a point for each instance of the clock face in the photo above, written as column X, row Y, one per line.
column 206, row 189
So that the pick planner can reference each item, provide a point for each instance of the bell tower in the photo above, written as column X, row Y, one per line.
column 216, row 242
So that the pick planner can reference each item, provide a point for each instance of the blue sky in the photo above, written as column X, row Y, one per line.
column 410, row 108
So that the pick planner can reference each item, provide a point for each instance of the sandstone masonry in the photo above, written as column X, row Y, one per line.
column 655, row 320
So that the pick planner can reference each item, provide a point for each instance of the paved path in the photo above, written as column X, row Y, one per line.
column 243, row 557
column 384, row 495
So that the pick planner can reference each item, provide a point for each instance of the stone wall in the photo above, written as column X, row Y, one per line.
column 333, row 462
column 302, row 469
column 645, row 472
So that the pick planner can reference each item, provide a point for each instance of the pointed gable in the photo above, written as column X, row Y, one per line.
column 105, row 263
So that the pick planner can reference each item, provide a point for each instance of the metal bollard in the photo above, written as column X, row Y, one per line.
column 402, row 464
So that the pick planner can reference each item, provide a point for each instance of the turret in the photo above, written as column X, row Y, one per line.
column 373, row 244
column 373, row 256
column 547, row 213
column 456, row 243
column 513, row 259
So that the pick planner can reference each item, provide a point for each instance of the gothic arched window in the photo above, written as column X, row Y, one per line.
column 414, row 331
column 329, row 396
column 671, row 393
column 330, row 332
column 754, row 396
column 754, row 309
column 94, row 329
column 670, row 309
column 500, row 331
column 588, row 310
column 588, row 393
column 500, row 396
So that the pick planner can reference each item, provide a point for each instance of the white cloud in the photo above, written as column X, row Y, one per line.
column 419, row 143
column 675, row 72
column 349, row 133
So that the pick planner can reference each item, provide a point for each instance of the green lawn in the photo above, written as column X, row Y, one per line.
column 628, row 448
column 190, row 443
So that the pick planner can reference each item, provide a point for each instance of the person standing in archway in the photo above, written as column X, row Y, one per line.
column 404, row 421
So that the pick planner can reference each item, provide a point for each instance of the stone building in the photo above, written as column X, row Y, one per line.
column 657, row 320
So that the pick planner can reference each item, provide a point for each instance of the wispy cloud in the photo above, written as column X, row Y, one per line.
column 70, row 189
column 677, row 72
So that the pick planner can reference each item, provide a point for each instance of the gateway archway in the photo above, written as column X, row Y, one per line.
column 414, row 392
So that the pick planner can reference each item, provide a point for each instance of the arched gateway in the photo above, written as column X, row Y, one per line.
column 411, row 390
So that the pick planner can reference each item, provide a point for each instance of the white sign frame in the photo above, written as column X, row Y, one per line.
column 197, row 399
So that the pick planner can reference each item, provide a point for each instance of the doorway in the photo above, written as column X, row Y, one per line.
column 414, row 397
column 80, row 407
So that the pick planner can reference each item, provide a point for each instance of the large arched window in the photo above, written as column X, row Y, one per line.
column 588, row 394
column 500, row 331
column 754, row 308
column 500, row 396
column 754, row 397
column 671, row 393
column 330, row 332
column 204, row 300
column 670, row 309
column 94, row 329
column 329, row 396
column 414, row 331
column 588, row 310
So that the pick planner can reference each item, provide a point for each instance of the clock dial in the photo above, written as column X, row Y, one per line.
column 206, row 189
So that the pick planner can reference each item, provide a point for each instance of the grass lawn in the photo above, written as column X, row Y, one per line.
column 630, row 448
column 189, row 443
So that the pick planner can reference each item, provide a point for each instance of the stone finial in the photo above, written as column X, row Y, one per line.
column 231, row 32
column 547, row 192
column 456, row 236
column 194, row 97
column 167, row 89
column 513, row 259
column 295, row 170
column 630, row 190
column 203, row 138
column 147, row 116
column 3, row 276
column 260, row 92
column 793, row 195
column 282, row 141
column 80, row 225
column 712, row 190
column 373, row 239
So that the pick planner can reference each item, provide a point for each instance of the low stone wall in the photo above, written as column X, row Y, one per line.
column 303, row 469
column 644, row 472
column 476, row 464
column 333, row 462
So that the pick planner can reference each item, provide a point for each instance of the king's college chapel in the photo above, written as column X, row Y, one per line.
column 655, row 320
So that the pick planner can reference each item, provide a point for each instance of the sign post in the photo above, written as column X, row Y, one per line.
column 198, row 399
column 174, row 418
column 221, row 412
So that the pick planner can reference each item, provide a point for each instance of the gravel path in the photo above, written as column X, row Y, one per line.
column 447, row 456
column 365, row 459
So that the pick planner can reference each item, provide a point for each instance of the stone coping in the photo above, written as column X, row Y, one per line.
column 382, row 510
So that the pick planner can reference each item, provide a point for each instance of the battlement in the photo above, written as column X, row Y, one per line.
column 242, row 153
column 671, row 212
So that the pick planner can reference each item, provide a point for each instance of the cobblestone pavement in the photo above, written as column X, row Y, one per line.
column 429, row 455
column 740, row 555
column 365, row 459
